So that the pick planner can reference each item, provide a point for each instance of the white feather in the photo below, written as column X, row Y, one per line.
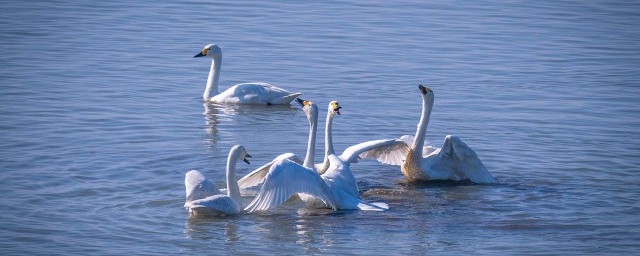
column 257, row 176
column 245, row 93
column 285, row 179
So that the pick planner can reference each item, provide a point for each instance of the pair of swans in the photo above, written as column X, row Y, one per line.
column 334, row 187
column 245, row 93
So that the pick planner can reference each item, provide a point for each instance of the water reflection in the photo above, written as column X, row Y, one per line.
column 217, row 115
column 210, row 123
column 208, row 227
column 313, row 229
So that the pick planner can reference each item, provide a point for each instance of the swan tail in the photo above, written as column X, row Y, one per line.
column 288, row 98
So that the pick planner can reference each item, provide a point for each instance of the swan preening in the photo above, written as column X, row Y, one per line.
column 245, row 93
column 454, row 161
column 202, row 197
column 334, row 188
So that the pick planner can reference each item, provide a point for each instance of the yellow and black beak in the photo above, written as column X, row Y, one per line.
column 337, row 110
column 302, row 102
column 200, row 54
column 424, row 90
column 245, row 159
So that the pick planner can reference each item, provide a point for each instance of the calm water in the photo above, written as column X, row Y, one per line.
column 101, row 116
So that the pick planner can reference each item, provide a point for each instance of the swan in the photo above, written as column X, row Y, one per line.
column 336, row 188
column 245, row 93
column 202, row 197
column 454, row 161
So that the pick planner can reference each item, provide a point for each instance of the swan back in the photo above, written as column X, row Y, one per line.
column 198, row 187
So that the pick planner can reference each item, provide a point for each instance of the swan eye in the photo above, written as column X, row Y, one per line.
column 306, row 103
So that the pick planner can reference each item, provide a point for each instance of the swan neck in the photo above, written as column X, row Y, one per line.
column 418, row 142
column 233, row 191
column 328, row 140
column 311, row 145
column 214, row 75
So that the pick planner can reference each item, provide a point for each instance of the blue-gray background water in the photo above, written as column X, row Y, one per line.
column 101, row 116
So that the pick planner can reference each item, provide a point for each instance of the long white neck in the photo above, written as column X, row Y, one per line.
column 311, row 146
column 418, row 141
column 214, row 75
column 233, row 190
column 328, row 140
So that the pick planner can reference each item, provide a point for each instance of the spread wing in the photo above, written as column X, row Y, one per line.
column 391, row 152
column 285, row 179
column 466, row 160
column 256, row 177
column 197, row 186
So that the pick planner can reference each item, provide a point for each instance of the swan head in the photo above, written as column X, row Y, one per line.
column 334, row 108
column 241, row 152
column 427, row 94
column 211, row 50
column 310, row 109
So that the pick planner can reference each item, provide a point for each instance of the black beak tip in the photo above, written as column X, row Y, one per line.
column 423, row 90
column 246, row 161
column 300, row 101
column 198, row 55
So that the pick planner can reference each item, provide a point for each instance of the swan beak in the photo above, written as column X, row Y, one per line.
column 424, row 90
column 245, row 159
column 199, row 55
column 337, row 110
column 303, row 103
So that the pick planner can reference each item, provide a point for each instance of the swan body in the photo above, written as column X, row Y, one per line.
column 336, row 188
column 245, row 93
column 202, row 197
column 455, row 160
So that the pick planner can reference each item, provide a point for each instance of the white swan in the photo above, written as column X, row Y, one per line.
column 245, row 93
column 454, row 161
column 202, row 197
column 336, row 188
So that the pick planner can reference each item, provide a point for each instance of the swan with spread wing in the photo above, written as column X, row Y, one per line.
column 453, row 161
column 336, row 188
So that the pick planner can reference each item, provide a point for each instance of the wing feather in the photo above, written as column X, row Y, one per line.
column 285, row 179
column 198, row 187
column 391, row 151
column 257, row 176
column 468, row 161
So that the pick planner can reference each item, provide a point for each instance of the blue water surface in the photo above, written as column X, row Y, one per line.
column 101, row 115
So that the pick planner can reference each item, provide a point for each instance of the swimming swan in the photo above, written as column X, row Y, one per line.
column 245, row 93
column 454, row 161
column 202, row 197
column 336, row 188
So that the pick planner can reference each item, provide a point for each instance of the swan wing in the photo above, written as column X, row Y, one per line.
column 285, row 179
column 391, row 151
column 347, row 201
column 466, row 160
column 212, row 204
column 198, row 187
column 426, row 149
column 256, row 177
column 255, row 93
